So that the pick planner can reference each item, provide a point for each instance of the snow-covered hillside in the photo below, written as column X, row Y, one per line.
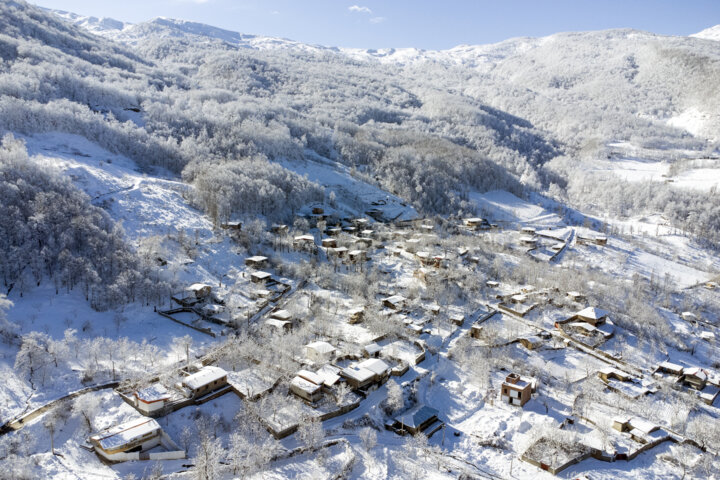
column 301, row 261
column 711, row 33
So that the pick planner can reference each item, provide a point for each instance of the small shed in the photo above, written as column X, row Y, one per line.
column 457, row 318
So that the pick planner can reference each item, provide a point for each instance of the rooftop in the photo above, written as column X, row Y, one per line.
column 205, row 376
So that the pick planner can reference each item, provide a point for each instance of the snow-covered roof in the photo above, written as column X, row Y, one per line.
column 695, row 372
column 310, row 377
column 125, row 433
column 153, row 393
column 281, row 315
column 257, row 258
column 593, row 313
column 205, row 376
column 416, row 416
column 642, row 425
column 358, row 374
column 395, row 299
column 372, row 348
column 673, row 367
column 320, row 347
column 375, row 365
column 352, row 253
column 329, row 375
column 528, row 239
column 305, row 385
column 197, row 286
column 304, row 238
column 272, row 322
column 261, row 275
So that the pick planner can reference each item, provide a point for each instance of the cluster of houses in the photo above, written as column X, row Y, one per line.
column 702, row 381
column 590, row 326
column 143, row 438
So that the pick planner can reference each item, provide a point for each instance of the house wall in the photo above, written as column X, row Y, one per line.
column 210, row 387
column 146, row 407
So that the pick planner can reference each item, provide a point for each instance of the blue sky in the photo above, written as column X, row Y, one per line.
column 428, row 24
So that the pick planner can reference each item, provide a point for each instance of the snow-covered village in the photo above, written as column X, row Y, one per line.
column 232, row 256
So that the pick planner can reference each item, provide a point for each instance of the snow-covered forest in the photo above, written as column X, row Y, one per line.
column 333, row 263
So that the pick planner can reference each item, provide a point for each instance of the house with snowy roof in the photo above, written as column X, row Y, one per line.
column 137, row 435
column 151, row 399
column 205, row 380
column 319, row 352
column 419, row 419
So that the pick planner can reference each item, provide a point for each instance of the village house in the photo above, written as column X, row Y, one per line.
column 137, row 435
column 593, row 316
column 282, row 315
column 530, row 231
column 152, row 399
column 206, row 380
column 280, row 325
column 280, row 229
column 477, row 223
column 528, row 241
column 256, row 261
column 356, row 377
column 357, row 256
column 517, row 390
column 492, row 284
column 531, row 342
column 319, row 352
column 338, row 252
column 420, row 418
column 260, row 277
column 231, row 225
column 372, row 350
column 412, row 245
column 307, row 385
column 395, row 302
column 609, row 373
column 457, row 318
column 333, row 231
column 199, row 290
column 366, row 373
column 669, row 368
column 303, row 241
column 695, row 377
column 587, row 239
column 355, row 315
column 329, row 242
column 576, row 296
